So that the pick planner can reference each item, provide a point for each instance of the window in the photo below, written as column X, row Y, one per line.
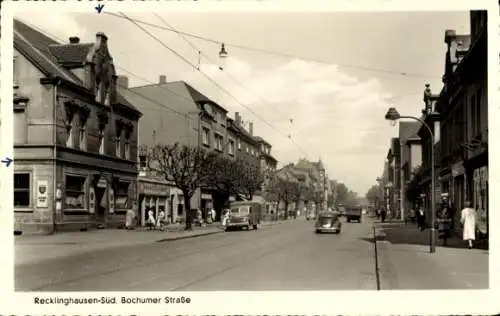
column 101, row 140
column 118, row 141
column 107, row 99
column 98, row 92
column 231, row 147
column 121, row 195
column 22, row 189
column 205, row 136
column 239, row 144
column 75, row 192
column 15, row 73
column 69, row 134
column 82, row 138
column 20, row 126
column 218, row 139
column 142, row 162
column 216, row 116
column 127, row 149
column 248, row 149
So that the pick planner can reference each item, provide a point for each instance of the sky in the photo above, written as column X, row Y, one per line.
column 332, row 110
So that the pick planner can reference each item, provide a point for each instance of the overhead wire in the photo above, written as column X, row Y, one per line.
column 229, row 75
column 286, row 55
column 205, row 75
column 161, row 105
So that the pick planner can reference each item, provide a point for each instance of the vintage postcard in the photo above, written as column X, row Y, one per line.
column 249, row 157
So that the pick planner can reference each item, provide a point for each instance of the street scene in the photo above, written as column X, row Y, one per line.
column 204, row 152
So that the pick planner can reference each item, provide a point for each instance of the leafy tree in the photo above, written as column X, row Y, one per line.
column 182, row 165
column 342, row 193
column 373, row 195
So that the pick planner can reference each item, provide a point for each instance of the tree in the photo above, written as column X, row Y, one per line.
column 373, row 194
column 182, row 165
column 283, row 190
column 342, row 193
column 249, row 179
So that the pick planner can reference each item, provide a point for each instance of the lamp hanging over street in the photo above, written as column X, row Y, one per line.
column 223, row 51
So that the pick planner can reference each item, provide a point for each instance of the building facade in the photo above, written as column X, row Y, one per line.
column 407, row 137
column 463, row 108
column 75, row 136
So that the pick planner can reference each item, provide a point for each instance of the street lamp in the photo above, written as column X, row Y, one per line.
column 393, row 115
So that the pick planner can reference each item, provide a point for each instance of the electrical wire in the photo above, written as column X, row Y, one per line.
column 269, row 52
column 161, row 105
column 206, row 76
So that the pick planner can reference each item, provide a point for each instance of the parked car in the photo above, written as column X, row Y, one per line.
column 328, row 222
column 244, row 215
column 354, row 213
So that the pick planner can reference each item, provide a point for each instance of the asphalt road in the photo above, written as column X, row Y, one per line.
column 288, row 256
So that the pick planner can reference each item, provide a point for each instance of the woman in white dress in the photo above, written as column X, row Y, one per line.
column 468, row 220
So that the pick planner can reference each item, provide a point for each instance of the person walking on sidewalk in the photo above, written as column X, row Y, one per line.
column 421, row 218
column 468, row 220
column 444, row 221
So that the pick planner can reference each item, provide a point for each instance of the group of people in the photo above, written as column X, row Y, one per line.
column 445, row 221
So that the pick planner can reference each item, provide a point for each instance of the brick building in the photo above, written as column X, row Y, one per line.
column 75, row 137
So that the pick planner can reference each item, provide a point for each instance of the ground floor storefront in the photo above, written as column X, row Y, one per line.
column 63, row 197
column 477, row 172
column 154, row 195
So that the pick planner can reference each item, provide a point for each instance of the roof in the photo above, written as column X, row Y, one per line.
column 48, row 55
column 261, row 140
column 408, row 130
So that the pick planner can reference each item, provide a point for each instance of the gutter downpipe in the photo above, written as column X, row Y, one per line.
column 54, row 137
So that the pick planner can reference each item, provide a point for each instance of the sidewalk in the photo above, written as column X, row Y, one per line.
column 404, row 261
column 34, row 248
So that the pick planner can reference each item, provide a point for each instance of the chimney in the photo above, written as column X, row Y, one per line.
column 74, row 40
column 237, row 118
column 122, row 82
column 250, row 128
column 163, row 79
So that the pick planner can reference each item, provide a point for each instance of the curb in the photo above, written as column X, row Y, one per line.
column 188, row 237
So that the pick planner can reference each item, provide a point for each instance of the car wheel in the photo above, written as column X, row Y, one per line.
column 317, row 231
column 255, row 227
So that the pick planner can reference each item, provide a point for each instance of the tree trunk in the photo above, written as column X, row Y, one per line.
column 187, row 208
column 286, row 209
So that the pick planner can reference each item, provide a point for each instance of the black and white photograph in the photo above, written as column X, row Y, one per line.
column 199, row 151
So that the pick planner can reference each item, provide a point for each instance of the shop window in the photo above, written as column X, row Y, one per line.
column 75, row 192
column 22, row 189
column 121, row 195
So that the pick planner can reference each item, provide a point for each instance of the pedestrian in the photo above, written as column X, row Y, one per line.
column 444, row 220
column 151, row 220
column 383, row 214
column 468, row 220
column 421, row 218
column 161, row 220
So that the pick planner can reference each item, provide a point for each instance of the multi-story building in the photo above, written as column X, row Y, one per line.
column 411, row 166
column 247, row 144
column 175, row 112
column 464, row 128
column 394, row 160
column 407, row 136
column 75, row 136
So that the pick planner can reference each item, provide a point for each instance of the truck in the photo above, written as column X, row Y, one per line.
column 244, row 215
column 354, row 213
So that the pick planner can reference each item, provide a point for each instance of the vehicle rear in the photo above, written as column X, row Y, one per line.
column 328, row 223
column 354, row 213
column 310, row 214
column 243, row 215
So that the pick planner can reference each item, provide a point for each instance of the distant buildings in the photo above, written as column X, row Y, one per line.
column 75, row 136
column 458, row 117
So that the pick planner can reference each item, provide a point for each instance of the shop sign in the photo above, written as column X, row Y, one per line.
column 41, row 192
column 156, row 189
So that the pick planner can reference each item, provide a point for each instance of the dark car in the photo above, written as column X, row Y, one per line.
column 354, row 213
column 328, row 222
